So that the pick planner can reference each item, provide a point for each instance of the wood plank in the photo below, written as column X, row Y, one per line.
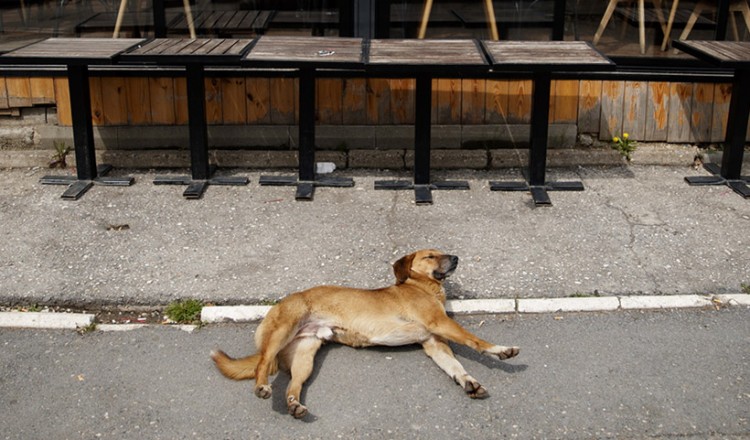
column 680, row 100
column 97, row 104
column 19, row 91
column 402, row 100
column 3, row 94
column 355, row 101
column 283, row 104
column 214, row 108
column 162, row 96
column 378, row 101
column 258, row 100
column 62, row 98
column 589, row 106
column 330, row 100
column 138, row 101
column 496, row 101
column 42, row 91
column 472, row 101
column 720, row 114
column 657, row 111
column 180, row 101
column 564, row 102
column 114, row 100
column 519, row 101
column 448, row 104
column 233, row 100
column 612, row 106
column 701, row 115
column 635, row 103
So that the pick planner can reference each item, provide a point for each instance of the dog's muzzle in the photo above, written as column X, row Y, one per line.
column 447, row 266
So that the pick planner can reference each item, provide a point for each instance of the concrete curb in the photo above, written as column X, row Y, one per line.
column 219, row 314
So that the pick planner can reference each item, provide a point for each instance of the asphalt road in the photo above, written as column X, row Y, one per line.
column 667, row 374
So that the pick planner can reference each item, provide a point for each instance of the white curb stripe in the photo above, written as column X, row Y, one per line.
column 45, row 320
column 480, row 306
column 552, row 305
column 664, row 302
column 213, row 314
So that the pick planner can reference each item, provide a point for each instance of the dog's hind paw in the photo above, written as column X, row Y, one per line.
column 263, row 391
column 475, row 390
column 297, row 409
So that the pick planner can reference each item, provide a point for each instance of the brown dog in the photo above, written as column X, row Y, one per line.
column 410, row 312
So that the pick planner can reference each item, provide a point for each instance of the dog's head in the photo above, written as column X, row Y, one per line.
column 429, row 263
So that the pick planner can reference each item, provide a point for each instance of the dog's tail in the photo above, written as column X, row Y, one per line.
column 239, row 369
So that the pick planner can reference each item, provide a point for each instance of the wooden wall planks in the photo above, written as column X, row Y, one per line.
column 649, row 111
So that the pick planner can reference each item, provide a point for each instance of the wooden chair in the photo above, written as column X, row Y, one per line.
column 740, row 6
column 489, row 12
column 641, row 20
column 124, row 5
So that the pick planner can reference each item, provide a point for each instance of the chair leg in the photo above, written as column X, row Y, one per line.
column 120, row 15
column 425, row 19
column 744, row 8
column 189, row 18
column 691, row 21
column 670, row 21
column 605, row 20
column 642, row 25
column 489, row 12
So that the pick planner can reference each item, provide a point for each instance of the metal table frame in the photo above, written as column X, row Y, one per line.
column 730, row 172
column 321, row 55
column 88, row 173
column 201, row 170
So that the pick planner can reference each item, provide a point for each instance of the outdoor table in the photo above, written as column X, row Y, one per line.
column 306, row 55
column 194, row 55
column 424, row 60
column 732, row 55
column 77, row 54
column 542, row 59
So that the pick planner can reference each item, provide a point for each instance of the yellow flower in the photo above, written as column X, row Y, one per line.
column 615, row 139
column 625, row 136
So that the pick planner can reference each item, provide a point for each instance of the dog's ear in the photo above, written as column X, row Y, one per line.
column 402, row 268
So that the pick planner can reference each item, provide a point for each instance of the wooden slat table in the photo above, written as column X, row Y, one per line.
column 540, row 60
column 225, row 23
column 306, row 55
column 77, row 54
column 732, row 55
column 195, row 55
column 424, row 60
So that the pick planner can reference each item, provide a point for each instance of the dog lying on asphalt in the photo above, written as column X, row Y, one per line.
column 409, row 312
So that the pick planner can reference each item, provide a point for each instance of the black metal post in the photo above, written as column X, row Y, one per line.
column 199, row 164
column 539, row 128
column 422, row 126
column 306, row 125
column 722, row 15
column 160, row 19
column 739, row 111
column 83, row 131
column 558, row 21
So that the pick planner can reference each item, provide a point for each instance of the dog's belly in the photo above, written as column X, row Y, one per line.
column 390, row 333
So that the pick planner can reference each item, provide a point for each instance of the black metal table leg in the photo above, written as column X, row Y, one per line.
column 537, row 184
column 730, row 173
column 88, row 173
column 200, row 168
column 422, row 184
column 307, row 180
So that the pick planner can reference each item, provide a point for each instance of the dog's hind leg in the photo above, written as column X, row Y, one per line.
column 442, row 354
column 271, row 344
column 299, row 357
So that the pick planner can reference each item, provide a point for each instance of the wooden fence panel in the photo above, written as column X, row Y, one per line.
column 589, row 106
column 97, row 101
column 635, row 103
column 42, row 91
column 138, row 101
column 564, row 104
column 19, row 91
column 680, row 109
column 720, row 115
column 448, row 102
column 701, row 115
column 657, row 112
column 378, row 101
column 613, row 93
column 3, row 94
column 161, row 100
column 233, row 97
column 496, row 103
column 472, row 101
column 330, row 100
column 214, row 98
column 354, row 111
column 258, row 100
column 114, row 101
column 180, row 100
column 283, row 103
column 402, row 100
column 62, row 98
column 519, row 101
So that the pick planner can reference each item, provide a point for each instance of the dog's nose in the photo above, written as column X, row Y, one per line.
column 454, row 259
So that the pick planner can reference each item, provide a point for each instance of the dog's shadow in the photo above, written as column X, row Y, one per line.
column 281, row 381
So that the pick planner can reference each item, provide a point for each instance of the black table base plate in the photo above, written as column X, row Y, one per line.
column 196, row 187
column 738, row 185
column 538, row 192
column 78, row 187
column 422, row 192
column 306, row 188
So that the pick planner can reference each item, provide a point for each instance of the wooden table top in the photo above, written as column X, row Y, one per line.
column 731, row 54
column 396, row 53
column 184, row 51
column 545, row 55
column 314, row 52
column 81, row 51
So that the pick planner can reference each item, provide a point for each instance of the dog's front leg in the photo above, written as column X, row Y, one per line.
column 449, row 329
column 443, row 356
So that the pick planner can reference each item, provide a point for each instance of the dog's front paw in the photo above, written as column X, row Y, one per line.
column 475, row 390
column 296, row 409
column 504, row 352
column 263, row 391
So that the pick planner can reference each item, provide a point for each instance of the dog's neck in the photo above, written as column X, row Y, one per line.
column 429, row 285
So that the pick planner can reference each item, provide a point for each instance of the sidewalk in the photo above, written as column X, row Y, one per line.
column 634, row 231
column 622, row 375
